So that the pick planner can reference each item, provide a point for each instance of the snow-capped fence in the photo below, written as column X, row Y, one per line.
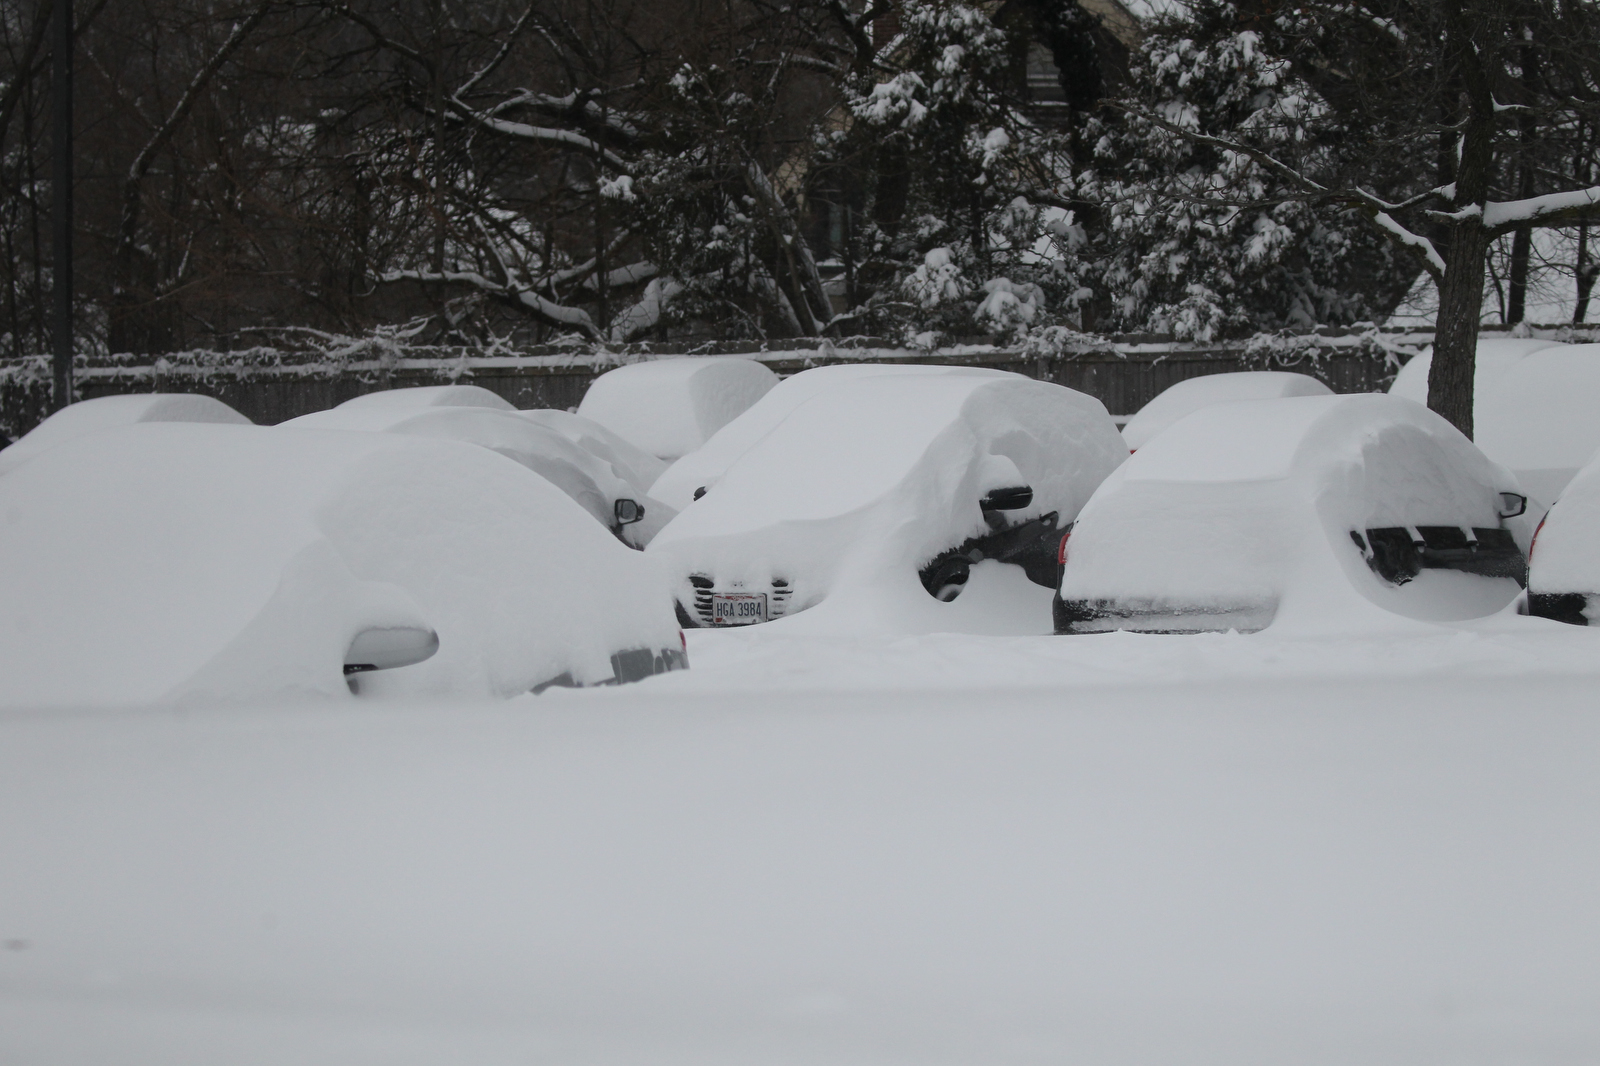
column 272, row 384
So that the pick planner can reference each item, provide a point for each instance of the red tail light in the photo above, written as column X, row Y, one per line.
column 1061, row 552
column 1534, row 543
column 684, row 641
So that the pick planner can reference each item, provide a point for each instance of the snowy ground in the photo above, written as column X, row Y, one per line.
column 814, row 849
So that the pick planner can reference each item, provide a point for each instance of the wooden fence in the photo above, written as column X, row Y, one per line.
column 269, row 386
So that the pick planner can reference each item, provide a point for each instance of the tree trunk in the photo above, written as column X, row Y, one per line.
column 1586, row 272
column 1455, row 338
column 1521, row 249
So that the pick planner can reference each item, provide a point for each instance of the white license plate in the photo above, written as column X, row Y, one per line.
column 738, row 608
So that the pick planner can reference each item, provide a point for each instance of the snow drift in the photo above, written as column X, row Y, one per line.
column 1242, row 511
column 1195, row 393
column 113, row 412
column 704, row 466
column 193, row 562
column 669, row 407
column 865, row 482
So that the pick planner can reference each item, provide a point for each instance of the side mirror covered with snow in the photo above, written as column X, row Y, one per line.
column 627, row 512
column 1513, row 504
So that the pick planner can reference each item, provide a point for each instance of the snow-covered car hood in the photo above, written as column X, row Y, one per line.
column 1248, row 502
column 866, row 481
column 591, row 481
column 171, row 562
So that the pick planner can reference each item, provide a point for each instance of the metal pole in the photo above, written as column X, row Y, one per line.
column 61, row 199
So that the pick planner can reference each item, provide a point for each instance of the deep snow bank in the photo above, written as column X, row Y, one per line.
column 669, row 407
column 1316, row 872
column 188, row 562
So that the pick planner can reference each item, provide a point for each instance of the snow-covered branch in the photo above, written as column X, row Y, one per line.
column 523, row 297
column 544, row 134
column 1553, row 209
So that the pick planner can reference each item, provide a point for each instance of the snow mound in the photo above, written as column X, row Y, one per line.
column 1567, row 557
column 245, row 560
column 590, row 480
column 114, row 412
column 703, row 467
column 670, row 407
column 1195, row 393
column 431, row 396
column 633, row 464
column 864, row 483
column 1242, row 512
column 1496, row 355
column 1542, row 417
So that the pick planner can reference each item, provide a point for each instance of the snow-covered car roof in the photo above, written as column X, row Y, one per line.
column 113, row 412
column 866, row 481
column 1565, row 560
column 580, row 473
column 631, row 463
column 669, row 407
column 1496, row 355
column 1541, row 417
column 431, row 396
column 1195, row 393
column 167, row 562
column 1239, row 505
column 701, row 468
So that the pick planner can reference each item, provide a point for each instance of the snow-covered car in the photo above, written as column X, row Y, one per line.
column 418, row 396
column 1328, row 502
column 1495, row 356
column 170, row 562
column 1541, row 417
column 691, row 476
column 634, row 465
column 1194, row 393
column 882, row 485
column 596, row 484
column 1564, row 560
column 669, row 407
column 114, row 412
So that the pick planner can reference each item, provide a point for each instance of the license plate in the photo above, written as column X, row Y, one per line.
column 738, row 608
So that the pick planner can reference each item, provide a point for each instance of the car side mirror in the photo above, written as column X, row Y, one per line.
column 388, row 647
column 1513, row 504
column 627, row 512
column 1013, row 498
